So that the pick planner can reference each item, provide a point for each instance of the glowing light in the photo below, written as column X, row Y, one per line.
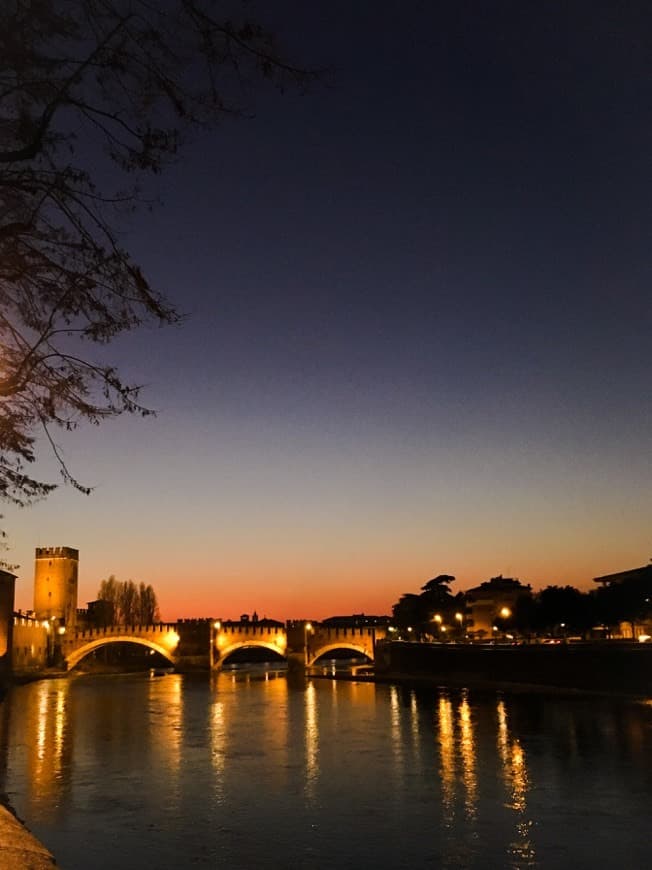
column 308, row 626
column 281, row 642
column 172, row 639
column 447, row 758
column 459, row 617
column 467, row 746
column 505, row 612
column 217, row 625
column 644, row 638
column 437, row 618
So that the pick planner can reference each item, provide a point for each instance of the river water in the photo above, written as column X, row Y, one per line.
column 259, row 770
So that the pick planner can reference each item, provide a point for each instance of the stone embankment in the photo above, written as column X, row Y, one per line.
column 607, row 666
column 19, row 849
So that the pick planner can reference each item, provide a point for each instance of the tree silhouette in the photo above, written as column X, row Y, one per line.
column 129, row 604
column 94, row 94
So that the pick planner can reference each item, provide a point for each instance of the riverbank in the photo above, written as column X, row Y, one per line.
column 480, row 686
column 602, row 668
column 19, row 848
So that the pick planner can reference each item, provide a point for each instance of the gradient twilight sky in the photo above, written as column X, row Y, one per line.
column 419, row 325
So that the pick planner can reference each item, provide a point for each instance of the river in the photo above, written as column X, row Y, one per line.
column 258, row 770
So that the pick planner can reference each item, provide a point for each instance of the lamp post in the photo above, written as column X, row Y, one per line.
column 212, row 636
column 49, row 642
column 307, row 629
column 504, row 614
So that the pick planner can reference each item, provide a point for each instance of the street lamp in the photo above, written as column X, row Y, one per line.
column 212, row 638
column 307, row 629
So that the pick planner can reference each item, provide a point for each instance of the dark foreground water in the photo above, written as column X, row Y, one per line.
column 135, row 772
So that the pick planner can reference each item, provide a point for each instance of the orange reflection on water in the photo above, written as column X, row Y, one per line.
column 277, row 724
column 457, row 754
column 516, row 779
column 311, row 739
column 46, row 741
column 414, row 727
column 166, row 702
column 447, row 758
column 467, row 751
column 397, row 769
column 218, row 740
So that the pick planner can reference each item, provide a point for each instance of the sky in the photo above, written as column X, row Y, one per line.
column 418, row 325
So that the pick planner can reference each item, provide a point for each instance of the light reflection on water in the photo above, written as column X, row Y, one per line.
column 262, row 769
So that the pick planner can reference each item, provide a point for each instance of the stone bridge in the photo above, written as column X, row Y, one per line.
column 162, row 637
column 209, row 643
column 302, row 642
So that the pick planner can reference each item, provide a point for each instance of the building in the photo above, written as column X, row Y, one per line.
column 643, row 575
column 629, row 593
column 492, row 603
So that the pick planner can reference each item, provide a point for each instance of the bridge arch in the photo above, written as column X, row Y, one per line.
column 225, row 652
column 313, row 655
column 73, row 658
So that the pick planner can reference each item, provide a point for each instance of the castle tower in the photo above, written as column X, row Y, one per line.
column 55, row 583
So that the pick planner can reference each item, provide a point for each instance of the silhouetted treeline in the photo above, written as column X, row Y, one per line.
column 554, row 610
column 128, row 604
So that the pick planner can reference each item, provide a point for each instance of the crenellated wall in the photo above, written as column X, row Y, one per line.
column 300, row 641
column 230, row 636
column 160, row 637
column 30, row 644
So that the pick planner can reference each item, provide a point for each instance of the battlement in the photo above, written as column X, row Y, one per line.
column 57, row 553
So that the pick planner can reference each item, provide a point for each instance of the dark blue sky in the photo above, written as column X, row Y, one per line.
column 419, row 318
